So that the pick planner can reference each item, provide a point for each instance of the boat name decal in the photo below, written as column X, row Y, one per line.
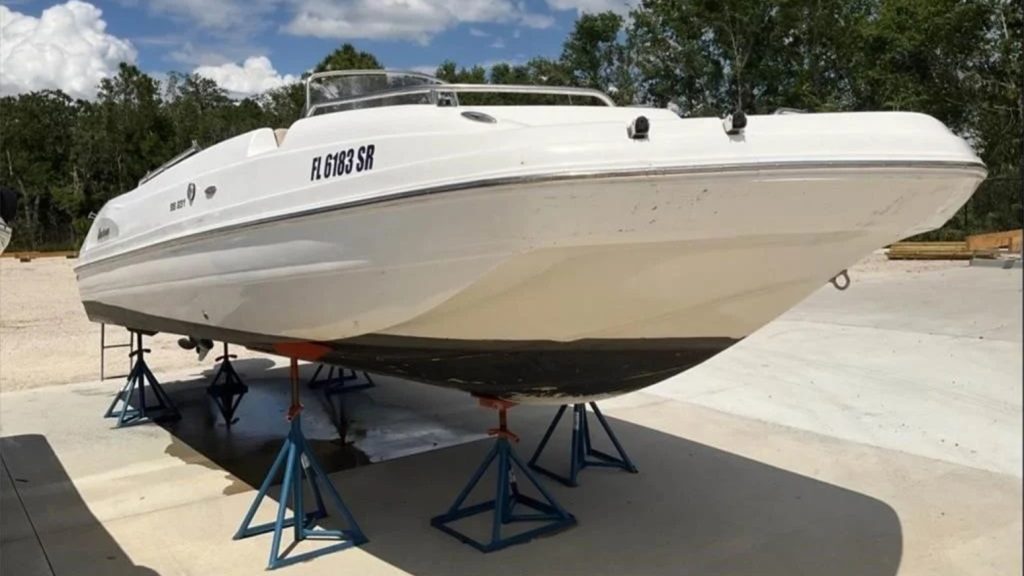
column 342, row 163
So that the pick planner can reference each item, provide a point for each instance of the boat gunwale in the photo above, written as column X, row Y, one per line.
column 975, row 166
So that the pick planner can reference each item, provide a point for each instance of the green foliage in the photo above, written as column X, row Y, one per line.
column 35, row 156
column 283, row 105
column 709, row 57
column 960, row 61
column 347, row 57
column 594, row 56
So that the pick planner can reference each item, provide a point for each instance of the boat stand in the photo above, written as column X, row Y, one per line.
column 581, row 453
column 507, row 497
column 139, row 378
column 227, row 394
column 337, row 384
column 300, row 464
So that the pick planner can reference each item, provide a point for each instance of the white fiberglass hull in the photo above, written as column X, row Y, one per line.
column 583, row 284
column 5, row 235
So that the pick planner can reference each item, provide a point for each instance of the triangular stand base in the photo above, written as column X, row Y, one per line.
column 227, row 393
column 300, row 464
column 505, row 503
column 338, row 384
column 139, row 379
column 581, row 452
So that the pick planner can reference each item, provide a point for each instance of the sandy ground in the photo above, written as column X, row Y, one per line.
column 46, row 339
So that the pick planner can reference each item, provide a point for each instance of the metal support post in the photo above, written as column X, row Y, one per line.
column 227, row 394
column 337, row 384
column 581, row 452
column 139, row 379
column 507, row 495
column 300, row 464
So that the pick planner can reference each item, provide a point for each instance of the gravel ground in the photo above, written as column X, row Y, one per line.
column 877, row 265
column 45, row 338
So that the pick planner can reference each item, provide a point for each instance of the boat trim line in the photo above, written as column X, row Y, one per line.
column 541, row 178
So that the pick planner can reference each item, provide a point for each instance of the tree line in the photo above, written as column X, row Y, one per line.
column 960, row 61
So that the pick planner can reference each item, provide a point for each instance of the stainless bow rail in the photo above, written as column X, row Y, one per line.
column 439, row 92
column 190, row 151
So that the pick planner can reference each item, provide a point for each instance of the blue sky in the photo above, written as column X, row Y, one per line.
column 217, row 37
column 174, row 41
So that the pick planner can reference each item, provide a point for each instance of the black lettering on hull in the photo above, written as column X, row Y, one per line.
column 315, row 172
column 341, row 163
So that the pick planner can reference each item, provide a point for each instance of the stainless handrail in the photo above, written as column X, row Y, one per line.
column 432, row 90
column 371, row 72
column 195, row 147
column 527, row 89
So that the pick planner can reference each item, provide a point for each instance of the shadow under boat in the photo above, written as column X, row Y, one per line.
column 693, row 509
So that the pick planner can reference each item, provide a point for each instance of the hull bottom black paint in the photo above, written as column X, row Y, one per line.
column 538, row 369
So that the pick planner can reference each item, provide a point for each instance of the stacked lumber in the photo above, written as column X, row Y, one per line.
column 1008, row 240
column 929, row 251
column 977, row 246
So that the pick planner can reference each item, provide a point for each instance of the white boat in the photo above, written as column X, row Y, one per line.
column 5, row 235
column 8, row 208
column 541, row 253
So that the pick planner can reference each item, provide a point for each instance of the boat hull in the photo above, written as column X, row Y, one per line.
column 537, row 290
column 5, row 235
column 535, row 372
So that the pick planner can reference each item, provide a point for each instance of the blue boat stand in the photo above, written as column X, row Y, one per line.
column 337, row 384
column 300, row 464
column 227, row 394
column 507, row 495
column 581, row 453
column 138, row 380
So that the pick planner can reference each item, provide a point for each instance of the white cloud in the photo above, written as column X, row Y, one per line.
column 220, row 15
column 189, row 54
column 478, row 33
column 416, row 20
column 534, row 20
column 66, row 48
column 254, row 76
column 499, row 42
column 592, row 6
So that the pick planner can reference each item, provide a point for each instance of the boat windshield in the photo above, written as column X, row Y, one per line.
column 352, row 89
column 336, row 91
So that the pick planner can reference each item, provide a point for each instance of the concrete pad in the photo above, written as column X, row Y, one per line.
column 724, row 512
column 717, row 493
column 20, row 550
column 14, row 522
column 1003, row 263
column 140, row 469
column 835, row 441
column 929, row 364
column 23, row 557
